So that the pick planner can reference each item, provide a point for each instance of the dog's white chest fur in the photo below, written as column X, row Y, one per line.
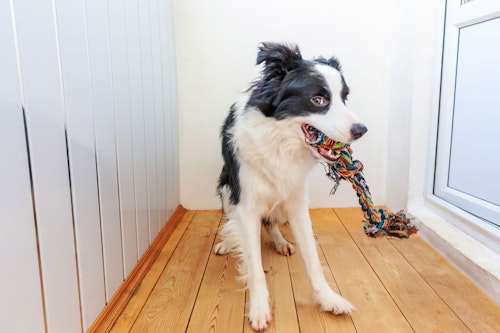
column 274, row 160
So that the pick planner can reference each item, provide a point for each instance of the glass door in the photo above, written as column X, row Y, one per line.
column 468, row 153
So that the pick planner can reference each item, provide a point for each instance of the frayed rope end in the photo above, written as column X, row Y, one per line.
column 396, row 225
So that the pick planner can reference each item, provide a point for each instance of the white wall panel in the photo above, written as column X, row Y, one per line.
column 38, row 58
column 104, row 119
column 173, row 126
column 138, row 135
column 169, row 77
column 125, row 154
column 19, row 276
column 165, row 60
column 82, row 158
column 159, row 111
column 90, row 160
column 162, row 131
column 149, row 116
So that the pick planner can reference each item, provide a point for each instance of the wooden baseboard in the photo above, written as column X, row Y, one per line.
column 120, row 299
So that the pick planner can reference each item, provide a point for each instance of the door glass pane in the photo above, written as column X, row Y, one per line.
column 475, row 149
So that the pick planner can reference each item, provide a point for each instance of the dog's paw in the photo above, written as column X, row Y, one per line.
column 221, row 248
column 285, row 249
column 259, row 315
column 332, row 302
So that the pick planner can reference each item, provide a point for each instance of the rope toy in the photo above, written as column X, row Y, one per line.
column 378, row 222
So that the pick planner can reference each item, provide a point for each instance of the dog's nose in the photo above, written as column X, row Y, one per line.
column 357, row 130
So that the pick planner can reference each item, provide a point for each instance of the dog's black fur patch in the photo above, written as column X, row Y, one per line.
column 229, row 174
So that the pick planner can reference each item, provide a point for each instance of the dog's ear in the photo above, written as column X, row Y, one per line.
column 278, row 59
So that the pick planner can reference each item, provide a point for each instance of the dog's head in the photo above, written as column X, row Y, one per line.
column 312, row 92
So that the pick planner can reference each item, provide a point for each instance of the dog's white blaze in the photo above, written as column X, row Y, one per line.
column 338, row 120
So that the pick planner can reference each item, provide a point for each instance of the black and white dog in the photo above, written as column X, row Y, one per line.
column 266, row 163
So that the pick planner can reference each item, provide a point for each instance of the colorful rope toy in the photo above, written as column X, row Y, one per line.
column 378, row 222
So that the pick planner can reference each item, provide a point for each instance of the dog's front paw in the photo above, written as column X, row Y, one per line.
column 332, row 302
column 221, row 248
column 285, row 249
column 259, row 315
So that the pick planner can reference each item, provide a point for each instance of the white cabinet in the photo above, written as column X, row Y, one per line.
column 85, row 174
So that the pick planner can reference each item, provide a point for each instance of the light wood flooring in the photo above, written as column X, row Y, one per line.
column 396, row 285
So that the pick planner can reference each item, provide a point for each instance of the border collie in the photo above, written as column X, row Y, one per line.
column 266, row 163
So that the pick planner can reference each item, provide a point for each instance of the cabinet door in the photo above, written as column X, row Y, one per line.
column 20, row 284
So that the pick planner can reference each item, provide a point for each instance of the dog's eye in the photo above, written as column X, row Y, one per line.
column 319, row 101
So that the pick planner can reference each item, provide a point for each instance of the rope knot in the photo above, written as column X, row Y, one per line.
column 378, row 222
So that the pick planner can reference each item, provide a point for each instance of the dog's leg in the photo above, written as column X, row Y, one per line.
column 282, row 246
column 301, row 225
column 259, row 313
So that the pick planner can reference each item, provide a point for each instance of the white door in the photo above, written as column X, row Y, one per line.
column 468, row 153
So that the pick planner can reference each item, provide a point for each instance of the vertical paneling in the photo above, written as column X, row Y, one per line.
column 173, row 125
column 104, row 121
column 159, row 110
column 19, row 277
column 41, row 86
column 74, row 64
column 171, row 144
column 125, row 153
column 138, row 135
column 88, row 124
column 149, row 115
column 162, row 26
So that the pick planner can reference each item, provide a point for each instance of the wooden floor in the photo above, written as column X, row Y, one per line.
column 395, row 285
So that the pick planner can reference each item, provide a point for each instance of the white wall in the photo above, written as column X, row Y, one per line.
column 89, row 169
column 216, row 50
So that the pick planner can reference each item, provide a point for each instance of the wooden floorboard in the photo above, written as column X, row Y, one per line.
column 458, row 292
column 395, row 285
column 136, row 303
column 220, row 305
column 411, row 294
column 170, row 304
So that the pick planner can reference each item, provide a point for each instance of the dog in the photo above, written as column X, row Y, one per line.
column 263, row 181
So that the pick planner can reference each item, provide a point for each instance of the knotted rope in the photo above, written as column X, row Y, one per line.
column 378, row 222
